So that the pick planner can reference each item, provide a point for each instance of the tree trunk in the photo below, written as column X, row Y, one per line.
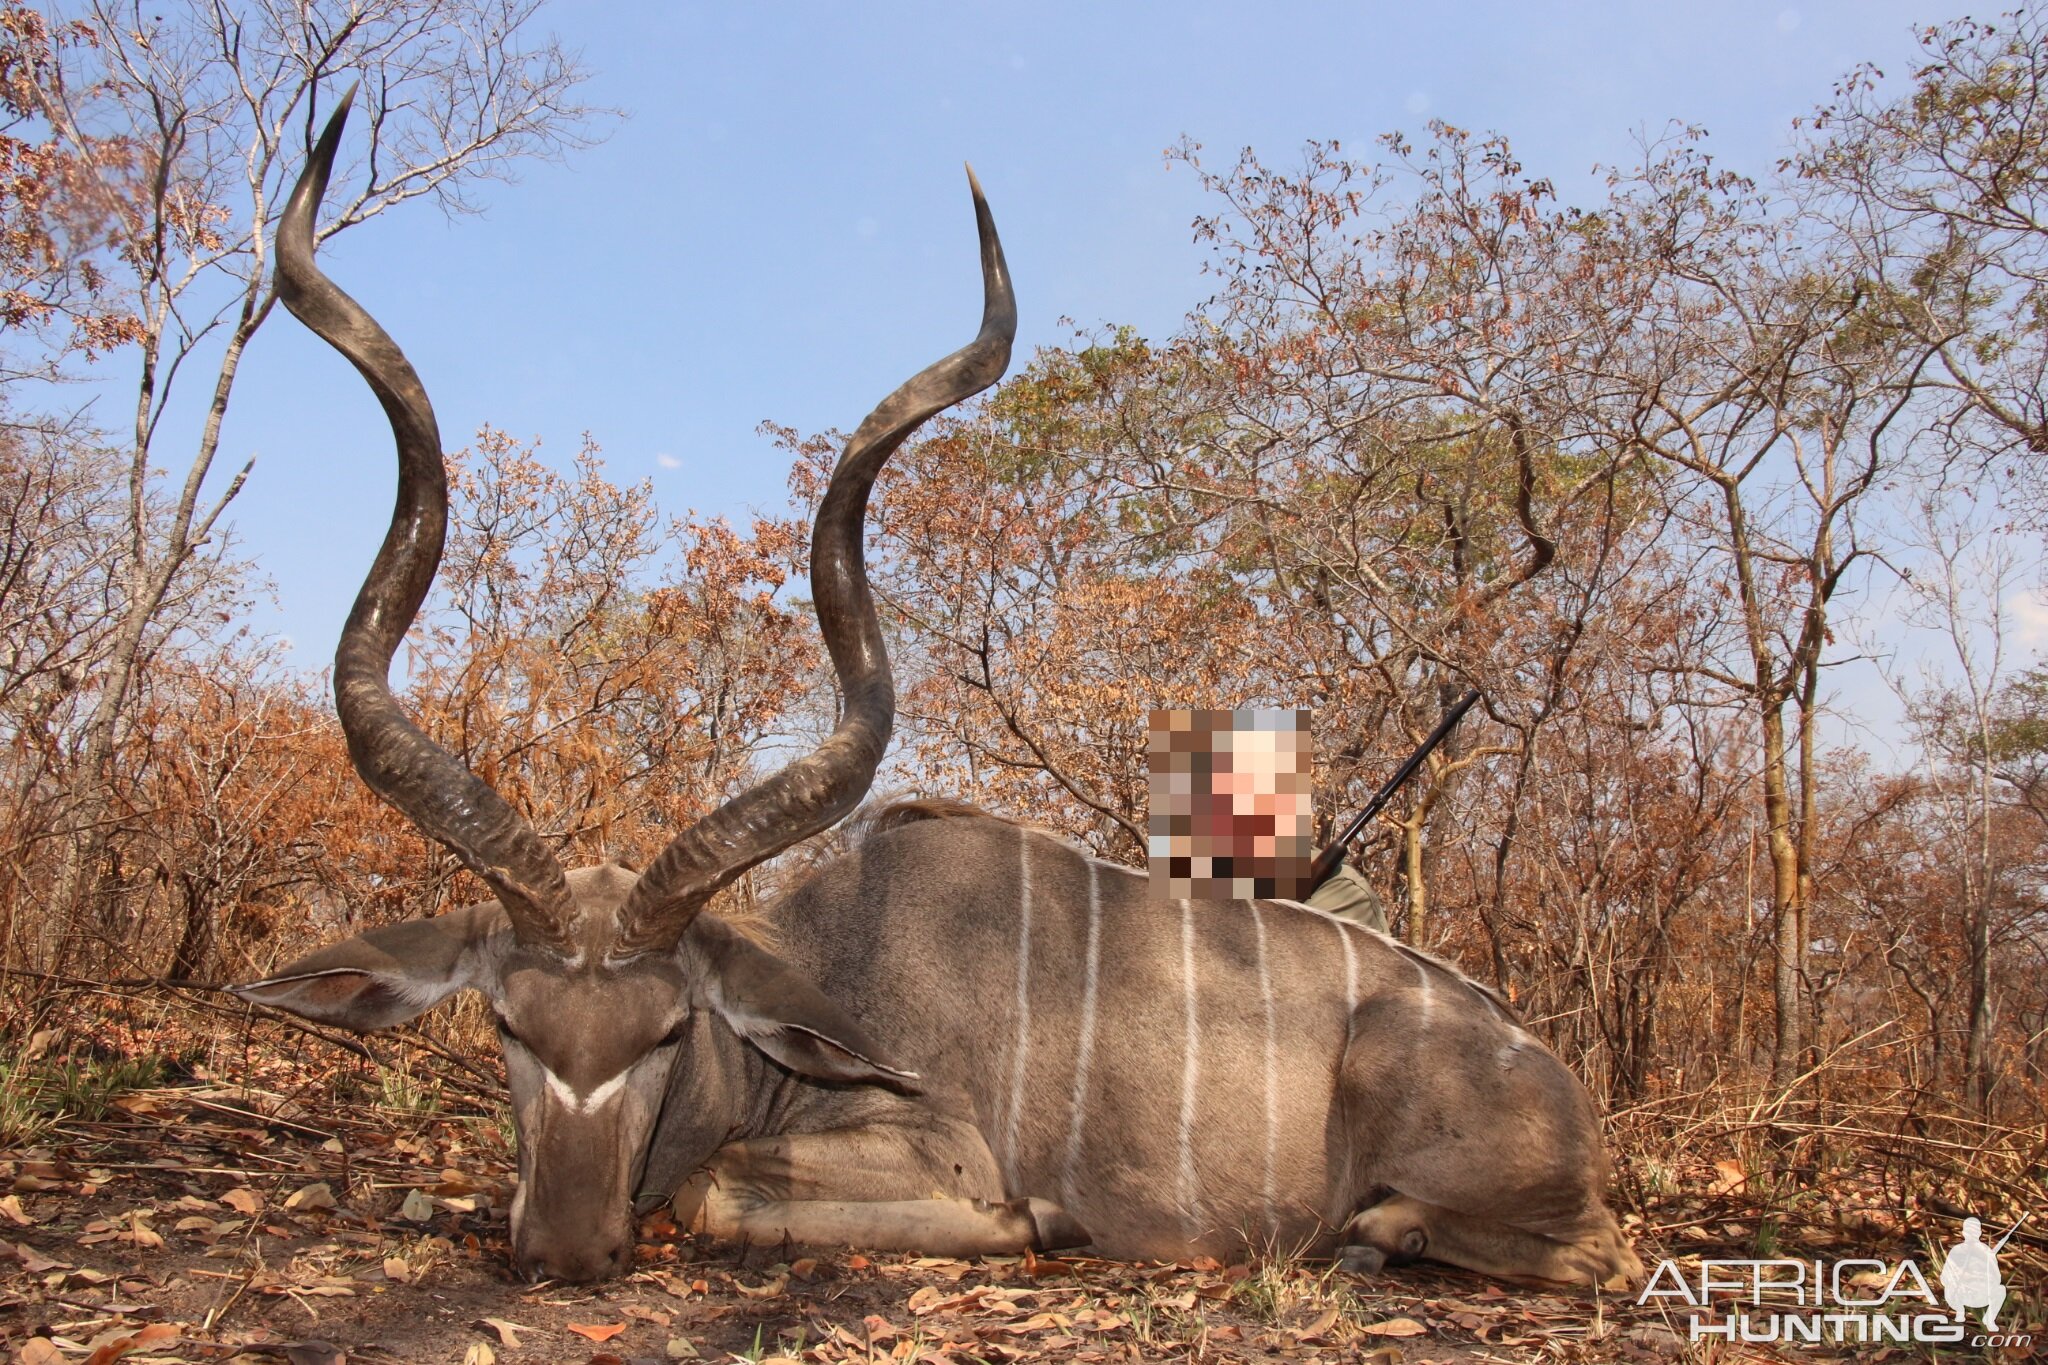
column 1788, row 967
column 195, row 944
column 1976, row 1061
column 1414, row 873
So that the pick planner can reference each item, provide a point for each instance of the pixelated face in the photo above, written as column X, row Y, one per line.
column 1230, row 804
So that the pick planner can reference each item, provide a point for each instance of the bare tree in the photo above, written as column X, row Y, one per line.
column 63, row 583
column 1944, row 192
column 213, row 103
column 56, row 210
column 1957, row 592
column 1773, row 394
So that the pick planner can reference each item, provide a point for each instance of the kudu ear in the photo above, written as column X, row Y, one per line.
column 777, row 1009
column 388, row 975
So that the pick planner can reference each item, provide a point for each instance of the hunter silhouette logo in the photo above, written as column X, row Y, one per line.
column 1969, row 1275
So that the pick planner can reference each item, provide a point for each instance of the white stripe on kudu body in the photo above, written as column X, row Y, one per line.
column 1085, row 1053
column 1020, row 1053
column 1190, row 1072
column 1272, row 1064
column 1350, row 969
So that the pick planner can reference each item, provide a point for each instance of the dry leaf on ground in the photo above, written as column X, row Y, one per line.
column 110, row 1351
column 508, row 1332
column 318, row 1195
column 1394, row 1327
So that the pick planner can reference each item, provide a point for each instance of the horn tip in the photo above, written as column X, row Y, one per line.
column 330, row 136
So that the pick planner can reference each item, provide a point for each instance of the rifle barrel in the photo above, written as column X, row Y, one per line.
column 1328, row 860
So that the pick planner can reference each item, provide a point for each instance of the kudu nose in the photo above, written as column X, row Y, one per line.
column 577, row 1264
column 574, row 1241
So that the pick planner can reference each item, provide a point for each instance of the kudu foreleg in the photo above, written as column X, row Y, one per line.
column 931, row 1188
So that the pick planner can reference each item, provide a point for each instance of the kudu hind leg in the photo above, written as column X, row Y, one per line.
column 1401, row 1229
column 929, row 1187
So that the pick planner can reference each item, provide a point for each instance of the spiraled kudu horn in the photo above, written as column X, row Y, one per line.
column 426, row 783
column 817, row 789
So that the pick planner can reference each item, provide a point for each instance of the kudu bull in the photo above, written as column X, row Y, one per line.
column 969, row 1037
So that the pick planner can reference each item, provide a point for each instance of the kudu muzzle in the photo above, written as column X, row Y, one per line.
column 572, row 1218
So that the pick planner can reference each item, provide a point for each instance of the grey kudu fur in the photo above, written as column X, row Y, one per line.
column 970, row 1038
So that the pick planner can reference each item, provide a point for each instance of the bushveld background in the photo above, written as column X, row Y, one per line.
column 1617, row 463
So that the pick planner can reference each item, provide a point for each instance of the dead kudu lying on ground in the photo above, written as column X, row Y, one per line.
column 969, row 1038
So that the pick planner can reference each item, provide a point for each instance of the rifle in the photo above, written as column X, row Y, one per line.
column 1332, row 857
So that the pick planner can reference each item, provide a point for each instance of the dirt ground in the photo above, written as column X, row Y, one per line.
column 204, row 1221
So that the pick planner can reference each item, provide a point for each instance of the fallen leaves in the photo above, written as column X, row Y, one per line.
column 374, row 1242
column 244, row 1200
column 986, row 1298
column 641, row 1313
column 507, row 1332
column 318, row 1195
column 767, row 1290
column 208, row 1231
column 1317, row 1332
column 31, row 1260
column 1729, row 1178
column 132, row 1228
column 1394, row 1327
column 111, row 1351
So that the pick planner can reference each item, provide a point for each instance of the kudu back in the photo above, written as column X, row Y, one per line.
column 970, row 1038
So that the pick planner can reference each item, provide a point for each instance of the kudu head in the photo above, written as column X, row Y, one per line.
column 603, row 981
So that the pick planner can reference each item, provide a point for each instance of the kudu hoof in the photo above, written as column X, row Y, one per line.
column 1361, row 1260
column 1052, row 1227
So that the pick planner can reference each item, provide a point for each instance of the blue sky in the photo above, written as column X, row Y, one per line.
column 780, row 228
